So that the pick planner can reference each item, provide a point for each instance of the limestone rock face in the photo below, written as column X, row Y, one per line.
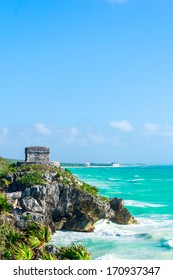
column 86, row 210
column 116, row 204
column 121, row 214
column 28, row 203
column 63, row 205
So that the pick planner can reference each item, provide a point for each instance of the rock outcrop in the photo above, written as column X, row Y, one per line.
column 60, row 201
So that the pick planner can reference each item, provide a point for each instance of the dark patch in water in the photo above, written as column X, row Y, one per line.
column 143, row 235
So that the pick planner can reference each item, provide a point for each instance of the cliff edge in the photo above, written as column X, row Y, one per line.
column 55, row 197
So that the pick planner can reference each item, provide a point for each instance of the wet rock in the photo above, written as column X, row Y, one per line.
column 117, row 204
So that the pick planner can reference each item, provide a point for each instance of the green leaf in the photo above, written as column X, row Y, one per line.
column 24, row 252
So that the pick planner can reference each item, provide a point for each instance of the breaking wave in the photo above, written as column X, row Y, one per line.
column 135, row 203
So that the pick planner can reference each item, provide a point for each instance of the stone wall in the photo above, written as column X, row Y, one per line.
column 37, row 154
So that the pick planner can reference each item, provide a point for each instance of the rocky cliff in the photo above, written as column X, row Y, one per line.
column 55, row 197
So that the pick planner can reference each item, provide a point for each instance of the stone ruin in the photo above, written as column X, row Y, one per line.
column 37, row 154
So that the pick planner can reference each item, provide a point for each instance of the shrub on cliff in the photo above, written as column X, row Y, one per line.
column 23, row 244
column 4, row 205
column 90, row 189
column 31, row 179
column 39, row 231
column 6, row 167
column 29, row 244
column 74, row 252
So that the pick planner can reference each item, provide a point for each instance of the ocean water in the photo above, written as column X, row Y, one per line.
column 148, row 194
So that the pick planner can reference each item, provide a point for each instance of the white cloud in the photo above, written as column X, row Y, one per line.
column 151, row 128
column 123, row 125
column 3, row 132
column 42, row 129
column 159, row 130
column 116, row 142
column 168, row 131
column 73, row 131
column 73, row 135
column 70, row 134
column 96, row 137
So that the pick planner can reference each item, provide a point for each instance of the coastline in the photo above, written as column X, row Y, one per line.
column 43, row 195
column 152, row 209
column 146, row 193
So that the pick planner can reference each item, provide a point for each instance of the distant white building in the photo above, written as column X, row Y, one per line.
column 87, row 164
column 115, row 164
column 56, row 163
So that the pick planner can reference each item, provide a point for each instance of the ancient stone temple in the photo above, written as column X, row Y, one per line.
column 37, row 154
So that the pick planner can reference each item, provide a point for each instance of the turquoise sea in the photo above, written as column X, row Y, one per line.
column 148, row 194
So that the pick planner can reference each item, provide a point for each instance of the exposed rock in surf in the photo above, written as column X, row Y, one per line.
column 121, row 214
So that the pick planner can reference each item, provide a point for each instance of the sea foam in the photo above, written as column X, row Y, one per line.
column 167, row 243
column 105, row 257
column 135, row 203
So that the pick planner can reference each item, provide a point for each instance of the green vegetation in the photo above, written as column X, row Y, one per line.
column 48, row 256
column 4, row 206
column 37, row 167
column 23, row 244
column 93, row 191
column 31, row 179
column 29, row 244
column 23, row 252
column 90, row 189
column 34, row 174
column 6, row 167
column 104, row 198
column 40, row 234
column 74, row 252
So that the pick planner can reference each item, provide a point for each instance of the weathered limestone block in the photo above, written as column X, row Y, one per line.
column 123, row 217
column 37, row 154
column 30, row 204
column 117, row 204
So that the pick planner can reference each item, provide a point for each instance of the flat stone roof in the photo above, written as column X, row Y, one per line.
column 38, row 149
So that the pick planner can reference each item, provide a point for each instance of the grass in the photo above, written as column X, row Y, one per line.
column 4, row 205
column 90, row 189
column 6, row 167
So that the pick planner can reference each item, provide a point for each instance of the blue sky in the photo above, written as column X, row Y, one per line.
column 91, row 79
